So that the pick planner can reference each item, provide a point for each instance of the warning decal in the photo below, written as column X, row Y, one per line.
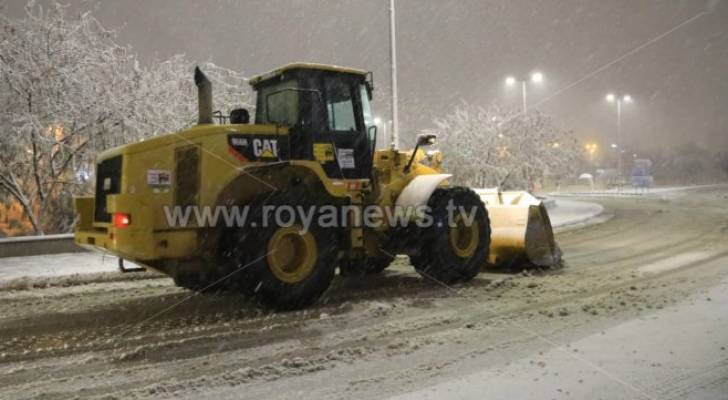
column 346, row 158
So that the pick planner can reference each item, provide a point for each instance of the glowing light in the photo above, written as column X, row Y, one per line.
column 510, row 81
column 537, row 77
column 627, row 98
column 122, row 220
column 611, row 97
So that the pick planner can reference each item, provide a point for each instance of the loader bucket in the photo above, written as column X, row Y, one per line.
column 520, row 229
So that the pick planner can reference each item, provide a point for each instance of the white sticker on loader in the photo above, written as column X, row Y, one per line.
column 346, row 158
column 159, row 177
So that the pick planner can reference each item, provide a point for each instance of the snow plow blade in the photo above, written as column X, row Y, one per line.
column 520, row 229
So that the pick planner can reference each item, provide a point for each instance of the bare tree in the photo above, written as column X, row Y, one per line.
column 492, row 147
column 67, row 91
column 58, row 77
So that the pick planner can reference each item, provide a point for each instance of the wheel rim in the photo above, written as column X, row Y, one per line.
column 291, row 254
column 464, row 238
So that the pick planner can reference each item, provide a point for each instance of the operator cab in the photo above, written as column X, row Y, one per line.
column 328, row 112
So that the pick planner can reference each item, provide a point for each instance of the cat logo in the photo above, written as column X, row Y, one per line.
column 265, row 148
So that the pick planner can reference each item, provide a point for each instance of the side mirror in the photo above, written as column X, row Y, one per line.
column 422, row 140
column 372, row 132
column 426, row 140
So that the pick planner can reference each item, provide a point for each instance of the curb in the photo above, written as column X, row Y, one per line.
column 22, row 246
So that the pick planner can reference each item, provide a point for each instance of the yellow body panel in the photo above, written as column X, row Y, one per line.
column 223, row 176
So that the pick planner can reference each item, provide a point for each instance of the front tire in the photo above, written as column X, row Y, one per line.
column 454, row 251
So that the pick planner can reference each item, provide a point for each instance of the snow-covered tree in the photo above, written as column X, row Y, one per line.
column 487, row 147
column 68, row 91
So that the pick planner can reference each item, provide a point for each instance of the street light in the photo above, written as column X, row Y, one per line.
column 591, row 148
column 536, row 77
column 619, row 99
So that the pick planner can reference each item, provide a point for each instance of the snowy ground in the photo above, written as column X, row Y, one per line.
column 638, row 311
column 678, row 352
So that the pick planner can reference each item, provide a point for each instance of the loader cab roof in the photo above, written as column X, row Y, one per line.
column 254, row 81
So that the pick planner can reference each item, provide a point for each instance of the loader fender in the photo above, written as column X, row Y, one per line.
column 255, row 180
column 419, row 190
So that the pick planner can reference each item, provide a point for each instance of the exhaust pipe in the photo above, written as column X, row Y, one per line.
column 204, row 97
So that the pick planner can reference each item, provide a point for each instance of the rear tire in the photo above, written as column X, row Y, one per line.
column 283, row 267
column 451, row 254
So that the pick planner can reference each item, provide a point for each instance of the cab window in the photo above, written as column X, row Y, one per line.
column 278, row 103
column 340, row 106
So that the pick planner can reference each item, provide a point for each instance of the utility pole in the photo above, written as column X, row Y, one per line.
column 619, row 138
column 523, row 96
column 393, row 61
column 619, row 100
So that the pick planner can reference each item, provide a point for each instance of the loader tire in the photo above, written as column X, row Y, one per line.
column 451, row 254
column 283, row 267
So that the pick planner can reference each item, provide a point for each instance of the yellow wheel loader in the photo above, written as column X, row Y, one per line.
column 272, row 209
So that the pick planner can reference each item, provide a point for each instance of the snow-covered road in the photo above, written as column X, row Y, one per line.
column 675, row 353
column 627, row 316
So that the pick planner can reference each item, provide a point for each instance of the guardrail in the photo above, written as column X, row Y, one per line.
column 22, row 246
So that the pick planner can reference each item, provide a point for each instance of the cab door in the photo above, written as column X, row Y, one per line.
column 344, row 145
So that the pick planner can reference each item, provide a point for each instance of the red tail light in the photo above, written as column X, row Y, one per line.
column 122, row 220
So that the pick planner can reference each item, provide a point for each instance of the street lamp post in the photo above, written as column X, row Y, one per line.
column 612, row 98
column 393, row 60
column 536, row 77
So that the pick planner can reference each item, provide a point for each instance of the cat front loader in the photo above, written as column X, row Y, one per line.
column 272, row 209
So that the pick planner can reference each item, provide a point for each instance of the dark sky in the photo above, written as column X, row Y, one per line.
column 463, row 49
